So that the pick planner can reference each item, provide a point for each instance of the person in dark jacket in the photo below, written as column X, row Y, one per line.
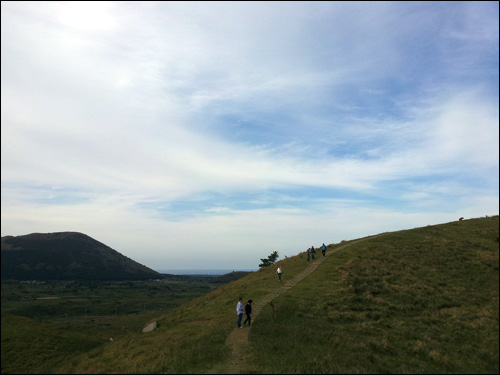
column 248, row 312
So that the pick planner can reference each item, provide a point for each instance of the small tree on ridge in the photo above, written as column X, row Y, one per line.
column 270, row 259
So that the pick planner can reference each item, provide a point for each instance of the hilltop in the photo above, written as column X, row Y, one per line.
column 66, row 256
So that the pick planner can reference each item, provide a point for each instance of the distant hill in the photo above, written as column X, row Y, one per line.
column 66, row 256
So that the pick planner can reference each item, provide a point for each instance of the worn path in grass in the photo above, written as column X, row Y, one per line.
column 238, row 361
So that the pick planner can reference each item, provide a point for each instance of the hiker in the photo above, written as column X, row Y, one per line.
column 323, row 249
column 312, row 252
column 308, row 254
column 240, row 311
column 278, row 271
column 248, row 311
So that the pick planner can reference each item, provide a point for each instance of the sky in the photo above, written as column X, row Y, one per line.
column 207, row 135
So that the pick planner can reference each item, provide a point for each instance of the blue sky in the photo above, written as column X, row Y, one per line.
column 198, row 135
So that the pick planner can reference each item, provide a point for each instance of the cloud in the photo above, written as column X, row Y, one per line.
column 237, row 128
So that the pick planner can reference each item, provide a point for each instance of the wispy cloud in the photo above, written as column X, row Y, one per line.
column 195, row 135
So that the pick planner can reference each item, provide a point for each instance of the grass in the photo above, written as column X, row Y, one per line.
column 418, row 301
column 45, row 324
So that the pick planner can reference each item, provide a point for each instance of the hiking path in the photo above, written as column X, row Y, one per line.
column 237, row 341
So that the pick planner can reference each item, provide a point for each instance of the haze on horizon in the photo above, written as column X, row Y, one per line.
column 206, row 135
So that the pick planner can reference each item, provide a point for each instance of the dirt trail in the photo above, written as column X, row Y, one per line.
column 238, row 362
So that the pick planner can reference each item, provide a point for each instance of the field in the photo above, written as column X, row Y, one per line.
column 64, row 318
column 424, row 300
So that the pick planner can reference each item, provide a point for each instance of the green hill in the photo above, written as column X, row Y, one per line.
column 66, row 256
column 424, row 300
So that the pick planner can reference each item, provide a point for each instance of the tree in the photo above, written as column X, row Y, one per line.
column 270, row 259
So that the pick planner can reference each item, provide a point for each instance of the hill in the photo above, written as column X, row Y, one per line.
column 231, row 276
column 424, row 300
column 66, row 256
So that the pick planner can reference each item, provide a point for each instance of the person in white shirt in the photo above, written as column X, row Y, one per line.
column 278, row 271
column 240, row 310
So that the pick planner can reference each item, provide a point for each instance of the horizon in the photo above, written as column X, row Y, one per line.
column 197, row 271
column 216, row 271
column 208, row 135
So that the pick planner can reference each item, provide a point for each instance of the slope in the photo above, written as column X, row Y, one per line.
column 417, row 301
column 238, row 362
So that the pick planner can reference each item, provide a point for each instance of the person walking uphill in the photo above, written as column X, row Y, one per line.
column 278, row 271
column 248, row 311
column 240, row 311
column 323, row 249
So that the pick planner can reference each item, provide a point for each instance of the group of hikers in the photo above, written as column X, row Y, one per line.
column 312, row 251
column 247, row 310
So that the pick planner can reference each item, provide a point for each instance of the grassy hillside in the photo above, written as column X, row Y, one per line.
column 419, row 301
